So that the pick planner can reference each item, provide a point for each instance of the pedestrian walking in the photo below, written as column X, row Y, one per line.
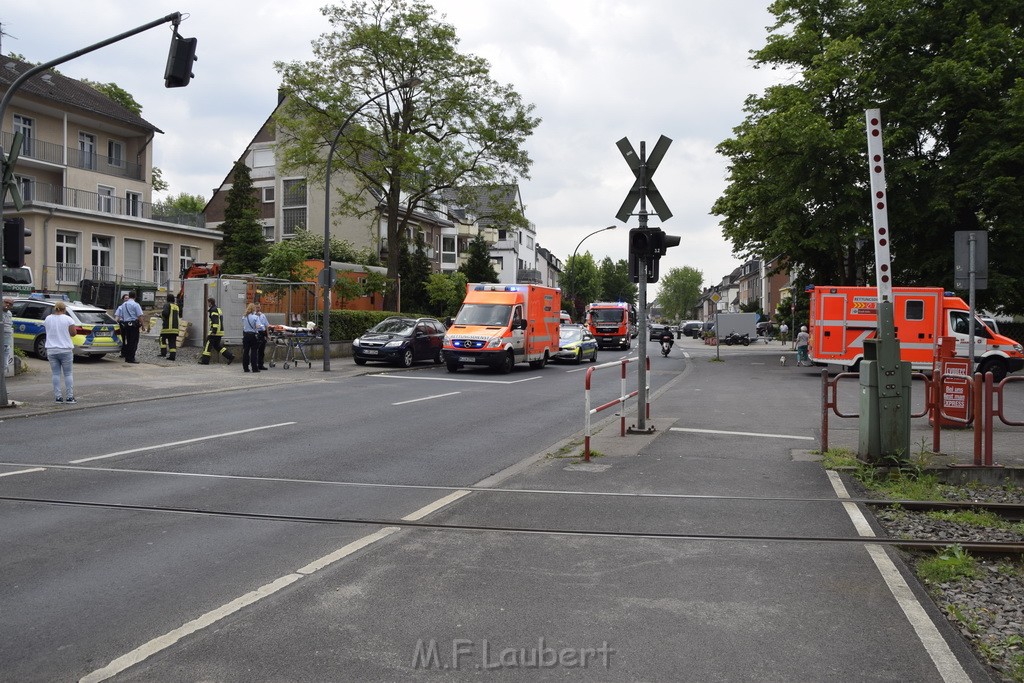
column 215, row 336
column 803, row 340
column 250, row 344
column 783, row 333
column 262, row 331
column 171, row 316
column 130, row 315
column 60, row 352
column 121, row 329
column 8, row 337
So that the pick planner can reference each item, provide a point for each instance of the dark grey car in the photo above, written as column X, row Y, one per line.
column 400, row 340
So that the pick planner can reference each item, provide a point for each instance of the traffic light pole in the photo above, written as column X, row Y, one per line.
column 9, row 95
column 641, row 371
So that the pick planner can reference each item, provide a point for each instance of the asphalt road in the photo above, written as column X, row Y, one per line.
column 279, row 558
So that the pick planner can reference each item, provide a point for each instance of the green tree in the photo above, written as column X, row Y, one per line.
column 679, row 291
column 118, row 94
column 446, row 292
column 581, row 284
column 244, row 247
column 415, row 268
column 457, row 127
column 285, row 260
column 478, row 266
column 616, row 284
column 950, row 85
column 180, row 204
column 158, row 182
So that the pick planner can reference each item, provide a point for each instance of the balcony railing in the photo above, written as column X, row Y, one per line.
column 117, row 206
column 54, row 154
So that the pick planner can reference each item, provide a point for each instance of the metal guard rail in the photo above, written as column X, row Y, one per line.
column 623, row 397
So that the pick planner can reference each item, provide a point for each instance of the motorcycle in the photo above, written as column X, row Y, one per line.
column 733, row 339
column 666, row 345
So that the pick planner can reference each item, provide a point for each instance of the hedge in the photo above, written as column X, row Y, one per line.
column 348, row 325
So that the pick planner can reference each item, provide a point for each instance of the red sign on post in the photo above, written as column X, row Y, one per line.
column 954, row 375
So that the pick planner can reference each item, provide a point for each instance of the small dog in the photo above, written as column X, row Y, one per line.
column 782, row 361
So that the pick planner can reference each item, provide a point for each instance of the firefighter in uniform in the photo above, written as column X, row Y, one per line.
column 213, row 339
column 169, row 332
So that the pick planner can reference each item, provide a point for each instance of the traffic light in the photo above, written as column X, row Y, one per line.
column 15, row 250
column 178, row 72
column 639, row 250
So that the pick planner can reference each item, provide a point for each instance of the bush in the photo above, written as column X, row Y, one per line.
column 347, row 325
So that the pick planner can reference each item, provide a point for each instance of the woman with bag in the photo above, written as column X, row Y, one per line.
column 60, row 351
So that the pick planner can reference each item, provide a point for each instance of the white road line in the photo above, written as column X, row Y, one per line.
column 719, row 431
column 426, row 398
column 934, row 644
column 163, row 642
column 435, row 506
column 179, row 443
column 455, row 379
column 28, row 471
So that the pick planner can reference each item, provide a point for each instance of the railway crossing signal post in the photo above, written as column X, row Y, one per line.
column 884, row 378
column 646, row 247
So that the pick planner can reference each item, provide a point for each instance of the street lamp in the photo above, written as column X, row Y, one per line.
column 325, row 332
column 572, row 261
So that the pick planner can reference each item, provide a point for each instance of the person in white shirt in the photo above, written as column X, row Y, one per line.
column 60, row 351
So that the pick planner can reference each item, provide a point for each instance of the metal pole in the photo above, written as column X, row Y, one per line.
column 9, row 95
column 971, row 270
column 325, row 331
column 572, row 262
column 641, row 373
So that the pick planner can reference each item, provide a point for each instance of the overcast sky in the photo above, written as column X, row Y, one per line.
column 596, row 71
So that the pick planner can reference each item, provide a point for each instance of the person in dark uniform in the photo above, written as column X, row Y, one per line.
column 169, row 332
column 129, row 314
column 263, row 329
column 215, row 335
column 250, row 344
column 121, row 328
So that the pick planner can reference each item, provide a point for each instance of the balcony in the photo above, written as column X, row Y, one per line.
column 118, row 206
column 55, row 154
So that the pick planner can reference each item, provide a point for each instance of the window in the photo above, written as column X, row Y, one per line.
column 87, row 150
column 293, row 203
column 268, row 195
column 186, row 257
column 115, row 153
column 102, row 257
column 162, row 264
column 69, row 268
column 499, row 262
column 262, row 158
column 25, row 126
column 133, row 203
column 26, row 186
column 914, row 309
column 502, row 234
column 105, row 199
column 134, row 259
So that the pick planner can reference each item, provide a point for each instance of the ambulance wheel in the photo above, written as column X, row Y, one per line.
column 40, row 347
column 997, row 367
column 507, row 363
column 452, row 367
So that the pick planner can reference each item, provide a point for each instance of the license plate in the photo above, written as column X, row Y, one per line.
column 370, row 352
column 467, row 359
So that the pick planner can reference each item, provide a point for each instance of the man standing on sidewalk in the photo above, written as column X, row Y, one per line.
column 129, row 314
column 7, row 342
column 169, row 332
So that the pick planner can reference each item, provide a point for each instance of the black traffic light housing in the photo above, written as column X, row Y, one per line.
column 15, row 250
column 181, row 56
column 646, row 247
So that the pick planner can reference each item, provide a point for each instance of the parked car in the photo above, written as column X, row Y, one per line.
column 575, row 344
column 692, row 328
column 96, row 332
column 400, row 340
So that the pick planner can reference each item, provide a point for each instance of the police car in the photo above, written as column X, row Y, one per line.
column 96, row 330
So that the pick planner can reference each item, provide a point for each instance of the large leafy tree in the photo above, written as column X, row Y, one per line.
column 244, row 247
column 581, row 284
column 616, row 284
column 453, row 126
column 680, row 289
column 950, row 84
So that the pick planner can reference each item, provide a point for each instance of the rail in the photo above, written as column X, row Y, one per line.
column 621, row 400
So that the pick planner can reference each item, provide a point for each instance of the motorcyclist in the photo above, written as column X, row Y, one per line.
column 666, row 338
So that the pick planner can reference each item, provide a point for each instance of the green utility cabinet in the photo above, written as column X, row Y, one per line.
column 885, row 404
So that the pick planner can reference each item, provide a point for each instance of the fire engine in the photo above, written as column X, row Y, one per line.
column 611, row 322
column 501, row 325
column 843, row 317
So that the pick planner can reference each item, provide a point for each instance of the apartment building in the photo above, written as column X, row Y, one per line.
column 85, row 173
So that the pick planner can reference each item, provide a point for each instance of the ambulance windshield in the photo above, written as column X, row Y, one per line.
column 490, row 315
column 606, row 315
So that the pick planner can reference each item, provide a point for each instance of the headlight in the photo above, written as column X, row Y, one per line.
column 394, row 344
column 494, row 342
column 447, row 340
column 355, row 342
column 1018, row 348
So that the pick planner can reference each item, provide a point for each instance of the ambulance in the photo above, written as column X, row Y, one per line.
column 611, row 323
column 501, row 325
column 843, row 317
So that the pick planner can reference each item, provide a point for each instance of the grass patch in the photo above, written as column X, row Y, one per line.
column 839, row 457
column 979, row 518
column 951, row 564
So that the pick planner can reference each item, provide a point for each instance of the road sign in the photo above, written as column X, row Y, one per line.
column 962, row 265
column 8, row 183
column 643, row 169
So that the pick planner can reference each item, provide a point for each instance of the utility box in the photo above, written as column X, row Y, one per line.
column 231, row 296
column 884, row 403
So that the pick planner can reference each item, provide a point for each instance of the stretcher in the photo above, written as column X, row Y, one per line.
column 292, row 341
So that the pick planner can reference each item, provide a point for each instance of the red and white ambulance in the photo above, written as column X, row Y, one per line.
column 843, row 317
column 501, row 325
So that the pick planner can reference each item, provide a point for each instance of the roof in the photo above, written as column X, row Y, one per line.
column 481, row 200
column 68, row 92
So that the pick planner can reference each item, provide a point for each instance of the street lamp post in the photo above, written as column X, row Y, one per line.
column 325, row 321
column 572, row 261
